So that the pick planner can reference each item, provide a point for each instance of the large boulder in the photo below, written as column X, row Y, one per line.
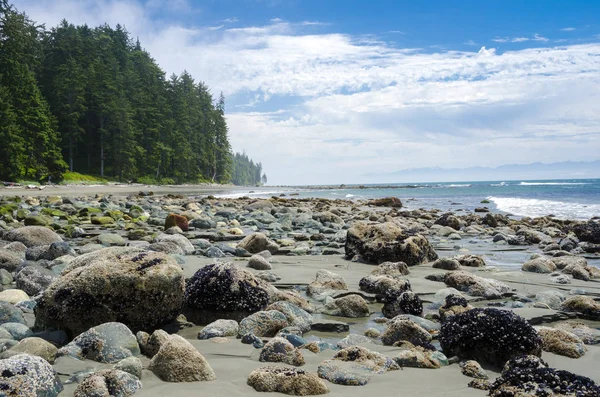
column 33, row 235
column 224, row 291
column 179, row 361
column 280, row 350
column 489, row 335
column 143, row 290
column 539, row 265
column 26, row 375
column 286, row 380
column 561, row 342
column 384, row 242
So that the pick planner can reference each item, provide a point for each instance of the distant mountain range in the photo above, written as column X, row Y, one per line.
column 533, row 171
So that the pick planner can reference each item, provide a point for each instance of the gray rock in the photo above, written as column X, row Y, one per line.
column 325, row 282
column 10, row 314
column 9, row 261
column 219, row 328
column 355, row 366
column 108, row 382
column 286, row 380
column 258, row 262
column 353, row 340
column 475, row 285
column 401, row 329
column 131, row 365
column 32, row 235
column 353, row 306
column 34, row 279
column 110, row 240
column 18, row 331
column 296, row 316
column 539, row 265
column 26, row 375
column 280, row 350
column 178, row 239
column 263, row 324
column 257, row 242
column 33, row 346
column 106, row 343
column 5, row 277
column 418, row 357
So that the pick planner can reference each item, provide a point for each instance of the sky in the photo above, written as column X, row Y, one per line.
column 331, row 91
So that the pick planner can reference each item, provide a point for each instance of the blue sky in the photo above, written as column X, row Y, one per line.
column 341, row 91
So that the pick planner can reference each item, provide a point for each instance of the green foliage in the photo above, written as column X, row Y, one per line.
column 95, row 98
column 245, row 172
column 76, row 177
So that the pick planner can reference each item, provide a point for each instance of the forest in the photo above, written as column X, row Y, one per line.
column 93, row 101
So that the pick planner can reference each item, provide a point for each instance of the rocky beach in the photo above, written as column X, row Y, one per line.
column 117, row 291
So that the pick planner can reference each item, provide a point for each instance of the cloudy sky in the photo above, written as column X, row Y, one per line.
column 332, row 91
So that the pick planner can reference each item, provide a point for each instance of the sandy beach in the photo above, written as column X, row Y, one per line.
column 301, row 238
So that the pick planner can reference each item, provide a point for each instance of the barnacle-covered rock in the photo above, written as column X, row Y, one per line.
column 224, row 291
column 402, row 303
column 354, row 366
column 387, row 242
column 280, row 350
column 143, row 290
column 489, row 335
column 292, row 381
column 26, row 375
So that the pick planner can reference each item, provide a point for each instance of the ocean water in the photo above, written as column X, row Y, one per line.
column 564, row 199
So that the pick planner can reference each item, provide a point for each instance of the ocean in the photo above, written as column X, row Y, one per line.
column 564, row 198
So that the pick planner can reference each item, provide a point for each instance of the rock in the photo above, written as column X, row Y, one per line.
column 533, row 236
column 33, row 346
column 539, row 265
column 490, row 220
column 588, row 232
column 18, row 331
column 391, row 269
column 470, row 260
column 551, row 298
column 259, row 263
column 257, row 242
column 108, row 382
column 402, row 303
column 106, row 343
column 381, row 285
column 110, row 240
column 49, row 252
column 9, row 260
column 168, row 247
column 582, row 304
column 472, row 369
column 296, row 317
column 263, row 324
column 449, row 220
column 286, row 380
column 34, row 279
column 102, row 220
column 400, row 329
column 353, row 306
column 219, row 328
column 561, row 342
column 446, row 264
column 523, row 376
column 489, row 335
column 373, row 333
column 143, row 290
column 475, row 285
column 151, row 344
column 354, row 366
column 418, row 357
column 589, row 336
column 353, row 340
column 178, row 239
column 562, row 262
column 32, row 236
column 387, row 242
column 326, row 281
column 280, row 350
column 179, row 361
column 393, row 202
column 224, row 291
column 10, row 314
column 176, row 220
column 26, row 375
column 329, row 326
column 13, row 296
column 131, row 365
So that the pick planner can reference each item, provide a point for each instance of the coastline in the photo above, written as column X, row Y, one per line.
column 310, row 234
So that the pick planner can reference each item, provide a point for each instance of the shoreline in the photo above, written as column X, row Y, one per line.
column 310, row 235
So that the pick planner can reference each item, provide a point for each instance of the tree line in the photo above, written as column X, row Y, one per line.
column 94, row 101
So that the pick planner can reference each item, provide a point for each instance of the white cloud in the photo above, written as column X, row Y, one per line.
column 335, row 107
column 501, row 39
column 471, row 43
column 519, row 39
column 567, row 29
column 230, row 20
